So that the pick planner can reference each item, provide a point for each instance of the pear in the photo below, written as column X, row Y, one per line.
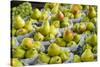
column 29, row 26
column 38, row 37
column 63, row 56
column 45, row 29
column 77, row 38
column 76, row 58
column 18, row 52
column 19, row 22
column 94, row 20
column 90, row 26
column 92, row 12
column 54, row 49
column 44, row 16
column 82, row 27
column 60, row 16
column 53, row 30
column 94, row 49
column 44, row 58
column 87, row 46
column 31, row 53
column 60, row 42
column 94, row 40
column 76, row 27
column 37, row 45
column 87, row 56
column 68, row 35
column 13, row 31
column 36, row 13
column 27, row 43
column 49, row 37
column 55, row 9
column 16, row 63
column 21, row 31
column 71, row 43
column 65, row 22
column 55, row 60
column 56, row 23
column 77, row 15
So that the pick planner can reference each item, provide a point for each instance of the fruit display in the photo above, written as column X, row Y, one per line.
column 55, row 33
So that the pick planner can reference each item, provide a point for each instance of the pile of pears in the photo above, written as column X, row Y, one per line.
column 45, row 25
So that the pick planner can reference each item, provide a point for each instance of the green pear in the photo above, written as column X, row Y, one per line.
column 27, row 43
column 71, row 43
column 56, row 23
column 53, row 30
column 92, row 12
column 76, row 58
column 19, row 22
column 55, row 9
column 90, row 26
column 13, row 31
column 60, row 42
column 44, row 16
column 94, row 40
column 45, row 29
column 29, row 26
column 31, row 53
column 63, row 56
column 87, row 56
column 55, row 60
column 49, row 37
column 18, row 52
column 68, row 35
column 82, row 27
column 36, row 13
column 16, row 63
column 77, row 15
column 38, row 37
column 54, row 49
column 77, row 38
column 76, row 27
column 21, row 31
column 37, row 45
column 44, row 58
column 87, row 46
column 65, row 22
column 94, row 20
column 94, row 49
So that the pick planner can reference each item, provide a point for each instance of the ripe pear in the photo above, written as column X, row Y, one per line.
column 63, row 56
column 55, row 60
column 87, row 56
column 68, row 35
column 37, row 45
column 38, row 37
column 27, row 43
column 53, row 30
column 90, row 26
column 45, row 29
column 49, row 37
column 54, row 49
column 77, row 38
column 36, row 14
column 29, row 26
column 18, row 52
column 82, row 27
column 60, row 16
column 60, row 42
column 76, row 58
column 31, row 53
column 16, row 63
column 92, row 12
column 56, row 23
column 44, row 58
column 21, row 31
column 19, row 22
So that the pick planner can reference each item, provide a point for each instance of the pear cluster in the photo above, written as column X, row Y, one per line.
column 41, row 36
